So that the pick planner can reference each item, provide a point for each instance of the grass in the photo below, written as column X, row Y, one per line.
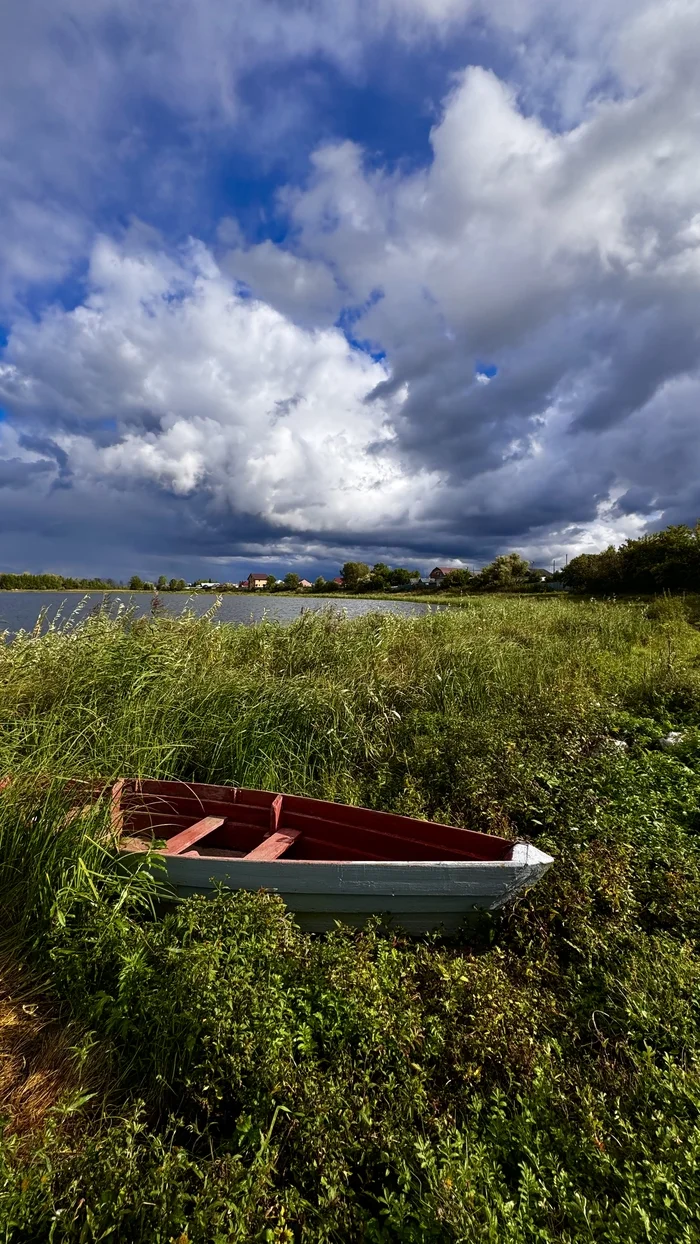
column 216, row 1075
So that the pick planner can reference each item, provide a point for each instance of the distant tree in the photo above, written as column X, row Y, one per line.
column 595, row 572
column 177, row 585
column 320, row 584
column 457, row 578
column 667, row 560
column 135, row 583
column 292, row 581
column 661, row 561
column 162, row 584
column 507, row 571
column 271, row 581
column 399, row 577
column 379, row 578
column 353, row 573
column 148, row 586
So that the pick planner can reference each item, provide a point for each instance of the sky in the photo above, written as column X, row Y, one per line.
column 285, row 283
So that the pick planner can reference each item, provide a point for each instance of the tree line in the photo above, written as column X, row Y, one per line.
column 59, row 583
column 506, row 572
column 52, row 583
column 663, row 561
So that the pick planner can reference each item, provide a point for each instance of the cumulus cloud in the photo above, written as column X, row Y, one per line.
column 571, row 257
column 497, row 348
column 167, row 374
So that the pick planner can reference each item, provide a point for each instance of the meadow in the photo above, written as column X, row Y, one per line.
column 213, row 1074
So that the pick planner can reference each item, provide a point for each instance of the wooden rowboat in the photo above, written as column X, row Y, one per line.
column 328, row 861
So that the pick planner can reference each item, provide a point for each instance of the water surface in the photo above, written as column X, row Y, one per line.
column 20, row 610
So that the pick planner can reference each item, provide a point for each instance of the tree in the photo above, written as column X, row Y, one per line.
column 271, row 581
column 162, row 584
column 177, row 585
column 135, row 583
column 661, row 561
column 507, row 571
column 457, row 578
column 379, row 578
column 400, row 577
column 667, row 560
column 292, row 581
column 320, row 584
column 353, row 573
column 595, row 572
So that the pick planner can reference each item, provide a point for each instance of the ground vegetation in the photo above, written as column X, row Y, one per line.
column 213, row 1074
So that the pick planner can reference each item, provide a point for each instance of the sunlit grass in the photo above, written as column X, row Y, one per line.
column 540, row 1084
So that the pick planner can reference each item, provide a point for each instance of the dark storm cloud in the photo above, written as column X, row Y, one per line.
column 17, row 473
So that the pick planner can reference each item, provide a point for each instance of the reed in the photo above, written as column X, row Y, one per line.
column 537, row 1081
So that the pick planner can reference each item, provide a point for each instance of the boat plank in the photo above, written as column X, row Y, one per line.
column 116, row 811
column 384, row 843
column 377, row 880
column 337, row 814
column 236, row 836
column 275, row 813
column 274, row 846
column 203, row 790
column 187, row 838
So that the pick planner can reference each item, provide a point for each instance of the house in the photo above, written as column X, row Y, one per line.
column 304, row 583
column 256, row 581
column 340, row 582
column 441, row 572
column 243, row 585
column 207, row 587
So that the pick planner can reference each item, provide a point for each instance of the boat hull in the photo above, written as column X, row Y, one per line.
column 416, row 897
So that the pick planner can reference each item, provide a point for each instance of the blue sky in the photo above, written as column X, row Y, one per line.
column 292, row 282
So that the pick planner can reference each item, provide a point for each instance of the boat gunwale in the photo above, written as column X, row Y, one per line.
column 541, row 857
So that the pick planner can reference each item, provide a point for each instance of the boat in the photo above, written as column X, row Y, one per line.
column 328, row 861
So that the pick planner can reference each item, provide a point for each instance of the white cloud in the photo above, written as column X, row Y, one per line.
column 572, row 259
column 207, row 389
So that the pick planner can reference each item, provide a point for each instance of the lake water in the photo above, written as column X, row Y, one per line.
column 20, row 610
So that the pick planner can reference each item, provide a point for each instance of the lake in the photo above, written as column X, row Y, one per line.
column 20, row 610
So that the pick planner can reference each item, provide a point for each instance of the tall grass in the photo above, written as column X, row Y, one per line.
column 537, row 1084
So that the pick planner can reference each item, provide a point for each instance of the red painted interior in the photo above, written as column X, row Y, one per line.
column 326, row 831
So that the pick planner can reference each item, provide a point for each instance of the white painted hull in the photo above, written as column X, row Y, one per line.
column 418, row 897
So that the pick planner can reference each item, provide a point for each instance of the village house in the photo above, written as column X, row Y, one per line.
column 256, row 581
column 304, row 583
column 441, row 572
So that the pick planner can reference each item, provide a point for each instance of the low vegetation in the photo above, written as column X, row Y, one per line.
column 209, row 1073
